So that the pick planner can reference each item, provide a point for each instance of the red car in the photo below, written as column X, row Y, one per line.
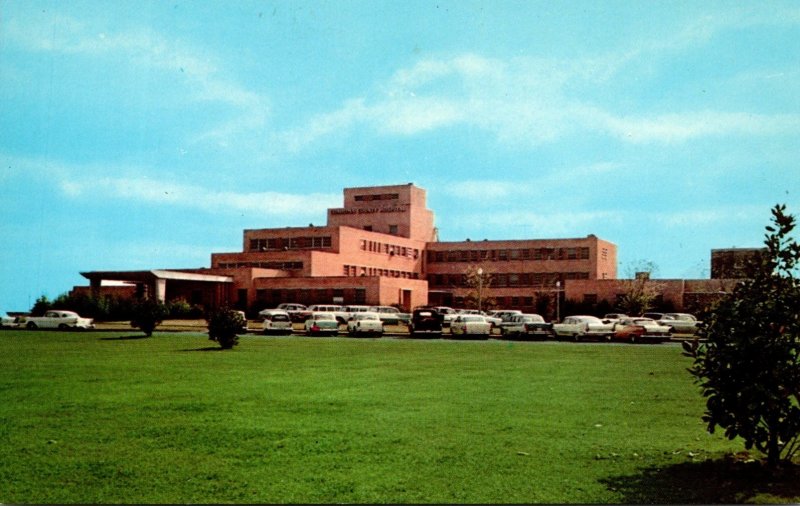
column 640, row 330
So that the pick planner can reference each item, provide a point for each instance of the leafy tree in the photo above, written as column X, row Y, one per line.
column 41, row 306
column 223, row 326
column 639, row 291
column 749, row 368
column 148, row 314
column 477, row 280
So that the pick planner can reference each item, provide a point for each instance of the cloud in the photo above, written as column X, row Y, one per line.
column 198, row 70
column 165, row 193
column 529, row 101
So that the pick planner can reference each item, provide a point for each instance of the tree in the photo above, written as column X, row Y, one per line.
column 477, row 281
column 41, row 306
column 639, row 291
column 223, row 326
column 749, row 368
column 148, row 314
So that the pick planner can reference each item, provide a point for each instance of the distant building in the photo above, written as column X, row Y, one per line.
column 732, row 263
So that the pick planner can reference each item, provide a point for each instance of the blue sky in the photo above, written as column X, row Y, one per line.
column 138, row 135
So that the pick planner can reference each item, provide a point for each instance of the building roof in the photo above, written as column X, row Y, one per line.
column 155, row 274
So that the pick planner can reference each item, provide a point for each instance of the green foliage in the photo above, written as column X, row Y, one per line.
column 41, row 306
column 749, row 368
column 223, row 326
column 147, row 314
column 180, row 309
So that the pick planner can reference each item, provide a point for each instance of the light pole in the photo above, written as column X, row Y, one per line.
column 558, row 301
column 480, row 288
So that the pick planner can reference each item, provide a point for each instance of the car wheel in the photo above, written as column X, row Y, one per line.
column 31, row 326
column 633, row 339
column 63, row 326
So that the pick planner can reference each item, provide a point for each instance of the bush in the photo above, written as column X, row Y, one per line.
column 148, row 314
column 749, row 369
column 223, row 326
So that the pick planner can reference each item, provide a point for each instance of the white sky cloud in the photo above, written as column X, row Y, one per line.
column 208, row 200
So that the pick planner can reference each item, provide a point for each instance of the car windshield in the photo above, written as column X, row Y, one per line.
column 533, row 318
column 643, row 321
column 324, row 316
column 471, row 318
column 367, row 317
column 280, row 318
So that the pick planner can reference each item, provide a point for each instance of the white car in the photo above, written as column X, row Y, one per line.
column 276, row 321
column 365, row 323
column 470, row 325
column 449, row 314
column 582, row 326
column 57, row 319
column 338, row 311
column 391, row 315
column 532, row 325
column 321, row 323
column 680, row 323
column 7, row 321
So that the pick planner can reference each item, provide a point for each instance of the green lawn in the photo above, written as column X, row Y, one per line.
column 110, row 418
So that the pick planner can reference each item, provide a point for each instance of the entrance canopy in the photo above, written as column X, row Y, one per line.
column 211, row 288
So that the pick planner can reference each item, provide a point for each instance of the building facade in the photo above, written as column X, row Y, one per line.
column 381, row 248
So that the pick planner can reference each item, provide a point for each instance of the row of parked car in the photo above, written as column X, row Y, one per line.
column 429, row 321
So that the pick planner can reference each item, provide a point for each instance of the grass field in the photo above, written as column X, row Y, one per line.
column 109, row 417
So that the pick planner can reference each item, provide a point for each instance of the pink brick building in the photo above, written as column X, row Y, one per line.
column 381, row 248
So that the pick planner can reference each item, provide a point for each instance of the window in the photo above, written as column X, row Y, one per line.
column 393, row 229
column 368, row 228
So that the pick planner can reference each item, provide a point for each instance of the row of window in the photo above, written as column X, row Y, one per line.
column 284, row 266
column 509, row 254
column 287, row 243
column 389, row 249
column 272, row 297
column 538, row 279
column 355, row 270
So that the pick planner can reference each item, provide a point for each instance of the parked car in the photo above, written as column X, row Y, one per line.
column 338, row 311
column 470, row 325
column 640, row 330
column 57, row 319
column 680, row 323
column 425, row 322
column 244, row 320
column 614, row 317
column 391, row 315
column 583, row 327
column 321, row 323
column 365, row 323
column 504, row 315
column 353, row 310
column 297, row 312
column 276, row 321
column 527, row 325
column 448, row 314
column 7, row 321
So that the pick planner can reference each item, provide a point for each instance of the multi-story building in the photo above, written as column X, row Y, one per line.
column 381, row 248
